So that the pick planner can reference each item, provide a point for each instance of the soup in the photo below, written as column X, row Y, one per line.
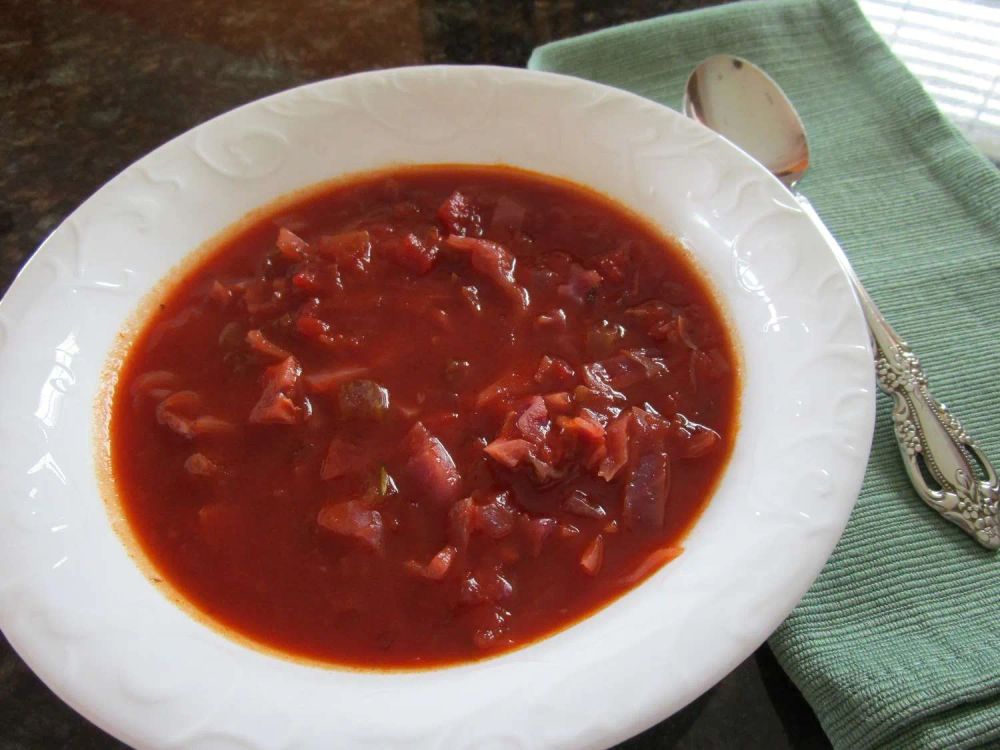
column 423, row 416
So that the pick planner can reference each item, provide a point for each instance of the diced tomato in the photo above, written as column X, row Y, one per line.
column 431, row 468
column 460, row 216
column 291, row 245
column 262, row 345
column 351, row 250
column 585, row 427
column 311, row 327
column 554, row 372
column 586, row 433
column 307, row 281
column 558, row 403
column 276, row 408
column 354, row 519
column 414, row 255
column 503, row 391
column 599, row 400
column 264, row 296
column 509, row 452
column 275, row 405
column 493, row 261
column 593, row 556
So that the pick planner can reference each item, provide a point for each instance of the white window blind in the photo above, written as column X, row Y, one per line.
column 953, row 47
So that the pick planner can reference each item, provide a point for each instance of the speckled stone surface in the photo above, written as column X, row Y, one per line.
column 89, row 86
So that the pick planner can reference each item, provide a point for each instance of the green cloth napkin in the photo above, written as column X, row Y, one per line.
column 897, row 644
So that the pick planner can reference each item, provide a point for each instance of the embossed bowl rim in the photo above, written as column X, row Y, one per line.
column 105, row 640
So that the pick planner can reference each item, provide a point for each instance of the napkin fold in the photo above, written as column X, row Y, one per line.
column 897, row 644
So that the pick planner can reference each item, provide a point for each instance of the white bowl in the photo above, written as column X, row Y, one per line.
column 78, row 610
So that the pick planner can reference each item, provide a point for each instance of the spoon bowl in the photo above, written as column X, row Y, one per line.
column 742, row 103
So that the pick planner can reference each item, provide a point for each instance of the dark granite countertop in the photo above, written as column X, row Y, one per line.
column 89, row 86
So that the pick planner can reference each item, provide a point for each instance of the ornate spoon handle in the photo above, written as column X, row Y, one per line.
column 948, row 470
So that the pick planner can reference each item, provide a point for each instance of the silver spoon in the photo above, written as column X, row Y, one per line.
column 951, row 474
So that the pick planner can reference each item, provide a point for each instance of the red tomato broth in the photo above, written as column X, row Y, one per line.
column 258, row 529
